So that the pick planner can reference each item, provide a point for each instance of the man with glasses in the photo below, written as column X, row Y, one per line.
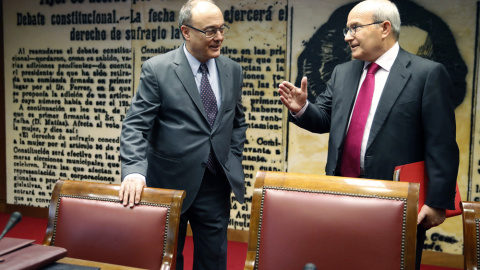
column 186, row 130
column 385, row 108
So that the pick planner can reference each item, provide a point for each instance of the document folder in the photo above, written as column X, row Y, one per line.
column 416, row 173
column 21, row 254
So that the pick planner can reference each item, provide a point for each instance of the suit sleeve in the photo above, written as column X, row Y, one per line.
column 138, row 122
column 239, row 125
column 441, row 150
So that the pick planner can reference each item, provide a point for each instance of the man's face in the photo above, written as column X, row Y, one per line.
column 366, row 44
column 204, row 16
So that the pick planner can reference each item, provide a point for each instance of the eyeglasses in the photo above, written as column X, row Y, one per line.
column 353, row 29
column 211, row 32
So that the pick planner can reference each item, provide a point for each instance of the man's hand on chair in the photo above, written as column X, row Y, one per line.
column 131, row 191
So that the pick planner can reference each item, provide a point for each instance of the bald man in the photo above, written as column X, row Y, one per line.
column 408, row 117
column 186, row 130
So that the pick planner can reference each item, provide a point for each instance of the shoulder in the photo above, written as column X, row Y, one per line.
column 349, row 66
column 226, row 61
column 165, row 59
column 415, row 61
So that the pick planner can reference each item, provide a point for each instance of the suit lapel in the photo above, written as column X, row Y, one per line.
column 397, row 78
column 351, row 81
column 184, row 73
column 225, row 81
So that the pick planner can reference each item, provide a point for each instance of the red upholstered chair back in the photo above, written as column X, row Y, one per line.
column 332, row 222
column 471, row 234
column 88, row 220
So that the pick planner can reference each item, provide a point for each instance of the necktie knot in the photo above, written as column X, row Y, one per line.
column 372, row 68
column 203, row 68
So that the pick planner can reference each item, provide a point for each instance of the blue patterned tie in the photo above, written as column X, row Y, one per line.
column 210, row 103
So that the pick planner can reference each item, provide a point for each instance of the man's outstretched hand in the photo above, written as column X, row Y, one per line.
column 292, row 97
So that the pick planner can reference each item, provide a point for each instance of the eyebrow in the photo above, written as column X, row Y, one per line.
column 352, row 24
column 214, row 26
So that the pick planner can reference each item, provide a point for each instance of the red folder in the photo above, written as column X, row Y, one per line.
column 416, row 173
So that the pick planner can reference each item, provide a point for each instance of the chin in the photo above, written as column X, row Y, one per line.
column 215, row 54
column 358, row 56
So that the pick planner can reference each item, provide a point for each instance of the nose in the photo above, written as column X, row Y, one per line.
column 349, row 37
column 218, row 35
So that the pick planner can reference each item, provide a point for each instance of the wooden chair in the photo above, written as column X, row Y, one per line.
column 471, row 234
column 332, row 222
column 88, row 220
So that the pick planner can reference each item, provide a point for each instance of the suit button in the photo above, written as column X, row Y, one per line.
column 204, row 164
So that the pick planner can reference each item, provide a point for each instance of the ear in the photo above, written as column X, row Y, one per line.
column 185, row 32
column 386, row 29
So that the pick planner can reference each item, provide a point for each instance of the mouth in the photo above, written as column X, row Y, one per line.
column 215, row 46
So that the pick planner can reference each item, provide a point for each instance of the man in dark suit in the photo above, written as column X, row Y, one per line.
column 409, row 115
column 186, row 130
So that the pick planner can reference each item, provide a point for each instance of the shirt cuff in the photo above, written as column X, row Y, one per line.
column 135, row 175
column 300, row 113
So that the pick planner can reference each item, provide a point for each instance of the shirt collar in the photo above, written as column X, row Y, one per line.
column 195, row 64
column 387, row 59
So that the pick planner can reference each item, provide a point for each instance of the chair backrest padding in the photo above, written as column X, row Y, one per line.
column 106, row 231
column 332, row 222
column 334, row 231
column 88, row 220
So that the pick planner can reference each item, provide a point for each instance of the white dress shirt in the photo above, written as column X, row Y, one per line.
column 385, row 62
column 212, row 74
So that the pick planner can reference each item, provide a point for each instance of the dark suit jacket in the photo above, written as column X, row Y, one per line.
column 166, row 136
column 414, row 121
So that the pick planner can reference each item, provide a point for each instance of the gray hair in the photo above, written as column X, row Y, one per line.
column 387, row 11
column 185, row 15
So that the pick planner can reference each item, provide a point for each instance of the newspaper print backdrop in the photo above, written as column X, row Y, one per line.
column 72, row 68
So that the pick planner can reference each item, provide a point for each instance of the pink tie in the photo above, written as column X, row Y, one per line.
column 353, row 142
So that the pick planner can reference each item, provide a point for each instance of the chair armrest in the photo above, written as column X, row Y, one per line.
column 250, row 260
column 167, row 262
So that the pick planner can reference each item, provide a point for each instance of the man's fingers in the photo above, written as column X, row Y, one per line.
column 131, row 197
column 130, row 191
column 287, row 87
column 430, row 217
column 292, row 97
column 283, row 90
column 138, row 193
column 420, row 218
column 126, row 194
column 304, row 85
column 120, row 193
